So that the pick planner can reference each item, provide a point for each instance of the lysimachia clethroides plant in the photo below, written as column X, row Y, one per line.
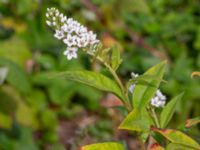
column 141, row 96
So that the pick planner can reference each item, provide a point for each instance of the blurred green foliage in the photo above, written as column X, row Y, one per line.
column 147, row 31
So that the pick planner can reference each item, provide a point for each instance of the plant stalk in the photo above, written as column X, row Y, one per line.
column 128, row 106
column 155, row 117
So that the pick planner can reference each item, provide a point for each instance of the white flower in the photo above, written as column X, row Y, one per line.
column 131, row 88
column 82, row 42
column 162, row 103
column 54, row 23
column 64, row 28
column 57, row 13
column 134, row 75
column 70, row 40
column 92, row 38
column 80, row 30
column 63, row 18
column 47, row 15
column 68, row 28
column 70, row 21
column 71, row 52
column 155, row 101
column 48, row 23
column 160, row 95
column 159, row 99
column 59, row 34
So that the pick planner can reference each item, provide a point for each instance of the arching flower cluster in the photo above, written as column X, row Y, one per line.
column 71, row 32
column 158, row 100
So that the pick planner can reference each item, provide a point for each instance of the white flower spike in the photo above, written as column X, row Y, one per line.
column 71, row 32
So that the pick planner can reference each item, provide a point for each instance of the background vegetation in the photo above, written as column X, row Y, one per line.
column 38, row 112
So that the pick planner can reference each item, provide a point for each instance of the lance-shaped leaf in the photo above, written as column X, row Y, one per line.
column 92, row 79
column 173, row 146
column 168, row 111
column 115, row 58
column 178, row 137
column 191, row 122
column 143, row 93
column 137, row 120
column 104, row 146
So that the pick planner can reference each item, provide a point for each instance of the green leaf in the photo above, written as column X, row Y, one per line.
column 26, row 116
column 178, row 137
column 25, row 6
column 5, row 121
column 197, row 40
column 50, row 136
column 136, row 6
column 16, row 76
column 3, row 74
column 42, row 79
column 191, row 122
column 46, row 61
column 92, row 79
column 8, row 104
column 37, row 99
column 115, row 59
column 6, row 143
column 173, row 146
column 15, row 49
column 137, row 120
column 104, row 146
column 57, row 91
column 143, row 93
column 49, row 119
column 26, row 140
column 168, row 111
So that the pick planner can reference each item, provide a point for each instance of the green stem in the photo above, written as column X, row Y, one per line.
column 155, row 117
column 115, row 76
column 127, row 104
column 117, row 80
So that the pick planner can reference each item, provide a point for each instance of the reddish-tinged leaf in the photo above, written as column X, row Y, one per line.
column 191, row 122
column 156, row 146
column 177, row 137
column 195, row 74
